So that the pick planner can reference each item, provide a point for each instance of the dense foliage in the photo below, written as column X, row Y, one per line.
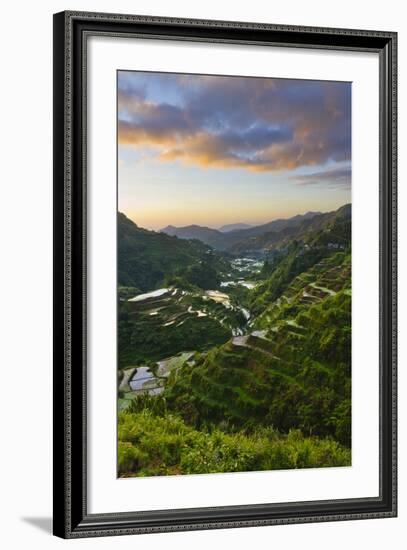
column 147, row 258
column 151, row 444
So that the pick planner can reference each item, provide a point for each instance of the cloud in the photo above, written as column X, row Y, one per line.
column 340, row 178
column 258, row 124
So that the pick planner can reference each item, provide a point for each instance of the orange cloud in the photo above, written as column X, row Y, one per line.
column 255, row 124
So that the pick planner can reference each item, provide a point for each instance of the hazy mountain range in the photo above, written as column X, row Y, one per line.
column 257, row 237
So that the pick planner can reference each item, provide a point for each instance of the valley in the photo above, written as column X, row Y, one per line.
column 164, row 311
column 248, row 346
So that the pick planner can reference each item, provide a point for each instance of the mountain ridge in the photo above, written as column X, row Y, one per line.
column 230, row 240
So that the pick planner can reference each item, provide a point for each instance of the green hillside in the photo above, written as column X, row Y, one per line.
column 244, row 363
column 147, row 259
column 292, row 370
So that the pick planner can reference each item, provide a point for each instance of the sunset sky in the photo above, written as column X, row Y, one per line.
column 212, row 150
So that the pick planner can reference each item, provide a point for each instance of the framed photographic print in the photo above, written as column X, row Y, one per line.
column 224, row 274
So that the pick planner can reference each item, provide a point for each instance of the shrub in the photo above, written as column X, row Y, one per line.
column 151, row 445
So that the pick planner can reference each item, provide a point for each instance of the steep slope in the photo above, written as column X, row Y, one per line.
column 147, row 259
column 291, row 371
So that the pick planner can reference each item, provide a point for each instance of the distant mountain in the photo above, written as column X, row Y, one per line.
column 222, row 240
column 211, row 237
column 275, row 225
column 234, row 227
column 331, row 227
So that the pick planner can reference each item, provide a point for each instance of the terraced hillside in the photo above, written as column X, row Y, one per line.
column 162, row 323
column 326, row 278
column 252, row 359
column 292, row 370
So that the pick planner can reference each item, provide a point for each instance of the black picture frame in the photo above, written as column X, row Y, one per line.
column 71, row 519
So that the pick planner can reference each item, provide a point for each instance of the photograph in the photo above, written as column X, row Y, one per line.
column 234, row 280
